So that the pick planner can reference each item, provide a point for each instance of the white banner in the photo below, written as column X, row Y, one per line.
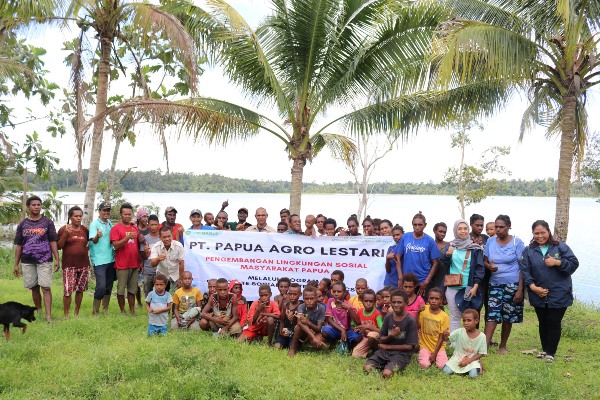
column 260, row 258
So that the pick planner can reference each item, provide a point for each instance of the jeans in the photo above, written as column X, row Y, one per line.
column 550, row 327
column 472, row 373
column 105, row 277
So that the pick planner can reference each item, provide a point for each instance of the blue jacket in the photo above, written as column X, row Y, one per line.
column 556, row 279
column 476, row 267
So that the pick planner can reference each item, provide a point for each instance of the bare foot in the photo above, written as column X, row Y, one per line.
column 502, row 351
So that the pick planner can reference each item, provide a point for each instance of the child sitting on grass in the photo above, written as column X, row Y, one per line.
column 236, row 288
column 283, row 285
column 310, row 317
column 220, row 313
column 470, row 346
column 261, row 317
column 360, row 286
column 370, row 324
column 325, row 287
column 338, row 276
column 185, row 298
column 212, row 289
column 398, row 338
column 432, row 323
column 383, row 301
column 338, row 314
column 409, row 284
column 287, row 319
column 158, row 305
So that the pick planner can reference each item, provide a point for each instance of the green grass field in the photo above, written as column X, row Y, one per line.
column 110, row 357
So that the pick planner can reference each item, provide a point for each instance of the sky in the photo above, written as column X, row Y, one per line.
column 424, row 157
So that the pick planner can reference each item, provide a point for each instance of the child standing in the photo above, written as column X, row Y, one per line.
column 339, row 313
column 370, row 325
column 287, row 319
column 236, row 288
column 409, row 284
column 398, row 338
column 360, row 286
column 158, row 305
column 470, row 346
column 261, row 317
column 310, row 317
column 220, row 313
column 432, row 323
column 185, row 298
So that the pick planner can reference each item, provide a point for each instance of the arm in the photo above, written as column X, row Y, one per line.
column 18, row 253
column 63, row 235
column 468, row 360
column 567, row 263
column 97, row 233
column 234, row 314
column 120, row 243
column 438, row 346
column 54, row 249
column 206, row 312
column 181, row 269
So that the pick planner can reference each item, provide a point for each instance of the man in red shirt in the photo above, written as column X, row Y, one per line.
column 124, row 239
column 176, row 229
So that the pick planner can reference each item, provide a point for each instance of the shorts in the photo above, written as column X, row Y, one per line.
column 285, row 341
column 75, row 280
column 157, row 330
column 194, row 326
column 392, row 360
column 254, row 331
column 235, row 329
column 501, row 307
column 334, row 334
column 37, row 275
column 361, row 350
column 127, row 279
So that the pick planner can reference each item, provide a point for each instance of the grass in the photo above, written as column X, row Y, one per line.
column 110, row 357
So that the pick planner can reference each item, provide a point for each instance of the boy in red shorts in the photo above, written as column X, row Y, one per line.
column 261, row 317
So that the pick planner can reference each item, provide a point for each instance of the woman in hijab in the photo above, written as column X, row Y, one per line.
column 466, row 270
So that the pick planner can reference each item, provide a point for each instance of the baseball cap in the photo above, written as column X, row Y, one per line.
column 141, row 213
column 104, row 206
column 169, row 209
column 243, row 209
column 195, row 211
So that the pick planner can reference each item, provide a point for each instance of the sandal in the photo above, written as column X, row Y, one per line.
column 541, row 354
column 549, row 359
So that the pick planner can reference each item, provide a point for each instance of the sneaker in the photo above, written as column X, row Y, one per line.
column 549, row 358
column 541, row 354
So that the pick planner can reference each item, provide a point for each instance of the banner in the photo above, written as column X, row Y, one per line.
column 261, row 258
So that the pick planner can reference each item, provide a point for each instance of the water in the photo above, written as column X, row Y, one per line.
column 585, row 212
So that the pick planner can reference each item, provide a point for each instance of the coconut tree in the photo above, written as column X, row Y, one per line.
column 108, row 18
column 545, row 49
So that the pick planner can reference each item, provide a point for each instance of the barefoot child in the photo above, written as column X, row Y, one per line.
column 432, row 323
column 409, row 284
column 338, row 314
column 158, row 305
column 220, row 313
column 398, row 339
column 287, row 319
column 185, row 298
column 310, row 317
column 370, row 324
column 360, row 286
column 470, row 346
column 261, row 317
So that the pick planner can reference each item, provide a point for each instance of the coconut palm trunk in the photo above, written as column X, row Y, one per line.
column 96, row 152
column 565, row 168
column 296, row 187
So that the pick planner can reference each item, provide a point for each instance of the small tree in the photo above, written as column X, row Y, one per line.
column 590, row 170
column 472, row 182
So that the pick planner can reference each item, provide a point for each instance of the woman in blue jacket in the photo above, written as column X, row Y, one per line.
column 547, row 266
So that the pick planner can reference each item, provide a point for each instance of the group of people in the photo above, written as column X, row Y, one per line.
column 423, row 274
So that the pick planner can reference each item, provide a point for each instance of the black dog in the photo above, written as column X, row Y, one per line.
column 12, row 312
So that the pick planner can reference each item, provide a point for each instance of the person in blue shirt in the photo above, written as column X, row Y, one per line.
column 417, row 253
column 391, row 270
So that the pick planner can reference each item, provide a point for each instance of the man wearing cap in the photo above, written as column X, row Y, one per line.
column 261, row 222
column 196, row 218
column 176, row 229
column 103, row 257
column 242, row 224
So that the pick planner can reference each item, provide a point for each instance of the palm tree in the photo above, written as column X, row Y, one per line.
column 547, row 49
column 107, row 18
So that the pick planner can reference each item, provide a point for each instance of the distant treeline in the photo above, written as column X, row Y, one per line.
column 157, row 181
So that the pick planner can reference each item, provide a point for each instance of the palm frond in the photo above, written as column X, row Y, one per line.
column 14, row 70
column 541, row 110
column 341, row 147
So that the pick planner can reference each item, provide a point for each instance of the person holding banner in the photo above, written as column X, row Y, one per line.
column 261, row 222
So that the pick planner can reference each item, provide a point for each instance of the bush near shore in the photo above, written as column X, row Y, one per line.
column 110, row 357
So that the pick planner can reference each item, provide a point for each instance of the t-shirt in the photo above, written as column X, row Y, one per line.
column 506, row 258
column 340, row 315
column 261, row 322
column 456, row 267
column 157, row 302
column 127, row 257
column 148, row 268
column 391, row 278
column 466, row 347
column 413, row 307
column 186, row 299
column 315, row 315
column 408, row 330
column 35, row 237
column 417, row 254
column 102, row 252
column 431, row 327
column 203, row 228
column 75, row 250
column 373, row 318
column 356, row 302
